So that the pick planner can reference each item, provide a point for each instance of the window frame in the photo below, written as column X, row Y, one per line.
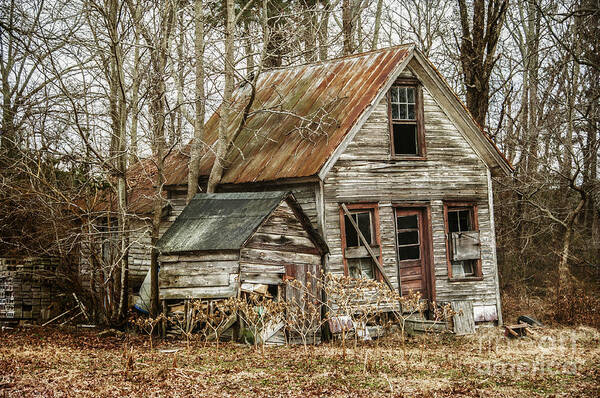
column 375, row 234
column 418, row 122
column 473, row 207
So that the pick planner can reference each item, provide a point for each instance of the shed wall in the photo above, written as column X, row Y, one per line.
column 280, row 242
column 199, row 275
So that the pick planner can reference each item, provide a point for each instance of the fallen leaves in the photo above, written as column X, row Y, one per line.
column 54, row 362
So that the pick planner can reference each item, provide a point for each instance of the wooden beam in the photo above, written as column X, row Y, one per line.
column 368, row 247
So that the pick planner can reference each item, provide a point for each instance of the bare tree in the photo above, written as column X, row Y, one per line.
column 478, row 50
column 157, row 43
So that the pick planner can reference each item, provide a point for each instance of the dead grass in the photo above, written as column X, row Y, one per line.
column 53, row 362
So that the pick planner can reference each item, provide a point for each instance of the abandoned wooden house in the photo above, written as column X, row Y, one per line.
column 377, row 140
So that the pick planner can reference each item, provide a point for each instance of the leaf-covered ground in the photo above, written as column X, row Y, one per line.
column 55, row 363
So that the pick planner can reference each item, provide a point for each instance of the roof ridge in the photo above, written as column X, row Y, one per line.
column 356, row 55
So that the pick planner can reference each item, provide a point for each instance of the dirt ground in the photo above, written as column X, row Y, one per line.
column 52, row 362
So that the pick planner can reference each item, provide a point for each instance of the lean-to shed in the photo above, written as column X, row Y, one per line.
column 225, row 243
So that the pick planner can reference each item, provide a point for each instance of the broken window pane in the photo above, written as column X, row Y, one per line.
column 410, row 95
column 402, row 95
column 394, row 94
column 403, row 112
column 460, row 220
column 364, row 224
column 363, row 220
column 409, row 253
column 405, row 139
column 407, row 222
column 407, row 238
column 351, row 235
column 395, row 111
column 464, row 220
column 411, row 112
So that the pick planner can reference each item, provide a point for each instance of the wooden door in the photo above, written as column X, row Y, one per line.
column 412, row 249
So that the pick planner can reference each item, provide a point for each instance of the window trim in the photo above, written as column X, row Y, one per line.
column 362, row 206
column 419, row 122
column 478, row 276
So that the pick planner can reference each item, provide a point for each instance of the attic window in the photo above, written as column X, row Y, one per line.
column 406, row 120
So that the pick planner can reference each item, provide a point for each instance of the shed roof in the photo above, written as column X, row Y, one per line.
column 223, row 221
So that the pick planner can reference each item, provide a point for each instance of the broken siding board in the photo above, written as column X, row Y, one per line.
column 277, row 257
column 463, row 320
column 262, row 268
column 299, row 244
column 194, row 280
column 198, row 293
column 261, row 278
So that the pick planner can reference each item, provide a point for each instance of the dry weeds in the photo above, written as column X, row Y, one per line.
column 60, row 363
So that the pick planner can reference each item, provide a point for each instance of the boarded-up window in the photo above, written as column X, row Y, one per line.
column 464, row 255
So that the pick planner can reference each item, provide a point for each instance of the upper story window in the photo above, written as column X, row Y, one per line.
column 406, row 121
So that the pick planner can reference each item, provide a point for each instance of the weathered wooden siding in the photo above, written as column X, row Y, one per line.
column 366, row 172
column 199, row 275
column 280, row 244
column 140, row 242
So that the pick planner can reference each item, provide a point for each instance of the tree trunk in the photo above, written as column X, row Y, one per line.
column 196, row 144
column 276, row 45
column 310, row 19
column 565, row 278
column 347, row 28
column 323, row 31
column 377, row 25
column 159, row 53
column 118, row 111
column 216, row 173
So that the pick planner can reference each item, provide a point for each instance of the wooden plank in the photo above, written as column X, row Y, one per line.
column 201, row 256
column 199, row 292
column 187, row 268
column 191, row 281
column 276, row 256
column 267, row 279
column 463, row 320
column 262, row 268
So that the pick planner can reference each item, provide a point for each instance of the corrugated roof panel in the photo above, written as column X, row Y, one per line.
column 271, row 145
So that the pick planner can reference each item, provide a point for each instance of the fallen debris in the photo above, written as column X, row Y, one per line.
column 530, row 321
column 519, row 330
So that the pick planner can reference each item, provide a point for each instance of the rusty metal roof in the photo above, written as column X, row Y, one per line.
column 299, row 117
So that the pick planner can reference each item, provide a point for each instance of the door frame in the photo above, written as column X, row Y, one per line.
column 427, row 244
